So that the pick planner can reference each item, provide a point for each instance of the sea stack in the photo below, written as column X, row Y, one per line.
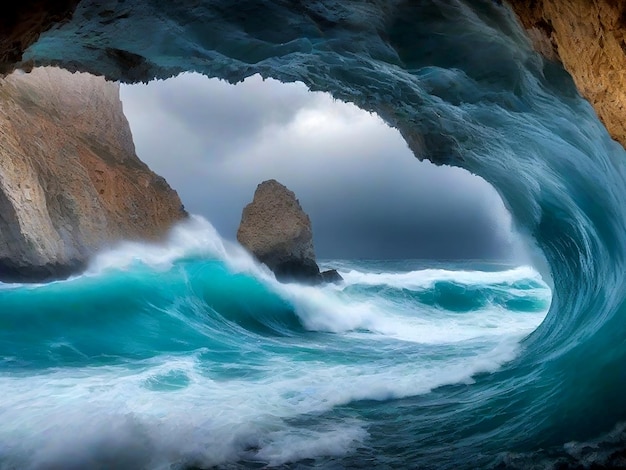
column 277, row 231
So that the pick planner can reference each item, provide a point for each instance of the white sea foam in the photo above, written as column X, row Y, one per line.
column 195, row 237
column 330, row 309
column 427, row 277
column 92, row 417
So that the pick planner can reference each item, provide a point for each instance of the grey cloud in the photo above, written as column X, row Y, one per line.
column 221, row 115
column 367, row 196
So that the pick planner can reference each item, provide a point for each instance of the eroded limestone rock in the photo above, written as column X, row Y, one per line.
column 277, row 231
column 70, row 181
column 589, row 37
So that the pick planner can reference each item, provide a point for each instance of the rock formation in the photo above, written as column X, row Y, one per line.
column 70, row 181
column 331, row 276
column 21, row 24
column 276, row 230
column 589, row 37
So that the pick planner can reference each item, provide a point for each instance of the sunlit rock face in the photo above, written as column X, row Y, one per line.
column 70, row 181
column 590, row 38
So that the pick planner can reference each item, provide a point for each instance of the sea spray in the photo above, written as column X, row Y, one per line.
column 188, row 353
column 461, row 82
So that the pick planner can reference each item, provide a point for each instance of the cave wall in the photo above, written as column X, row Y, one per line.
column 21, row 24
column 589, row 37
column 359, row 51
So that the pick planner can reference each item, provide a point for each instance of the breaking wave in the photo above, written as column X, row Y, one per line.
column 461, row 82
column 191, row 354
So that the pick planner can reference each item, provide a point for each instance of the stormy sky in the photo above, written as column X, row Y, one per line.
column 366, row 195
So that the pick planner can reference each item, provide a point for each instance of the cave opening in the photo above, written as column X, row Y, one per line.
column 349, row 399
column 366, row 194
column 374, row 207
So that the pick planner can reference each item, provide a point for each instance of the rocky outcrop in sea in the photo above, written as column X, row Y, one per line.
column 277, row 231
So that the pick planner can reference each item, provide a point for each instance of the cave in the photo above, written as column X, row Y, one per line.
column 464, row 84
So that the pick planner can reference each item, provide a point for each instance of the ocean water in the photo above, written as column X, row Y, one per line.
column 461, row 82
column 189, row 354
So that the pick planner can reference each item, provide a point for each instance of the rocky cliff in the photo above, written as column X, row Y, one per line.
column 70, row 181
column 589, row 37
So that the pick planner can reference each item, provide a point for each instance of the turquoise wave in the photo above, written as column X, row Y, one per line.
column 343, row 384
column 162, row 355
column 134, row 314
